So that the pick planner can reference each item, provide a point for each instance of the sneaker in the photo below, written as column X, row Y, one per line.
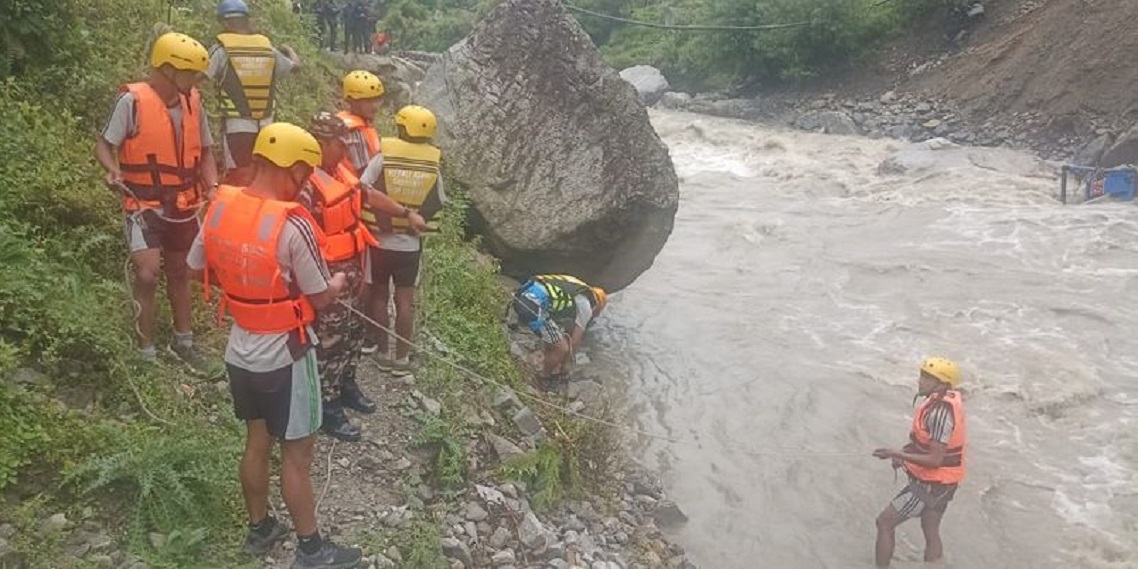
column 190, row 356
column 329, row 556
column 384, row 363
column 400, row 368
column 259, row 544
column 369, row 349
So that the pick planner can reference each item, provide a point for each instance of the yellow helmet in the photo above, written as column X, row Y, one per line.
column 362, row 85
column 180, row 51
column 602, row 298
column 419, row 122
column 943, row 370
column 286, row 144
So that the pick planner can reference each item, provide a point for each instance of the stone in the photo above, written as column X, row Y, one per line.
column 99, row 560
column 506, row 398
column 403, row 463
column 471, row 530
column 674, row 100
column 508, row 489
column 555, row 550
column 157, row 540
column 28, row 376
column 595, row 181
column 527, row 422
column 587, row 391
column 532, row 533
column 393, row 554
column 829, row 122
column 667, row 513
column 12, row 559
column 500, row 538
column 1090, row 153
column 888, row 97
column 53, row 524
column 400, row 75
column 79, row 549
column 426, row 403
column 455, row 549
column 503, row 447
column 932, row 123
column 7, row 530
column 557, row 564
column 475, row 512
column 649, row 83
column 382, row 562
column 503, row 557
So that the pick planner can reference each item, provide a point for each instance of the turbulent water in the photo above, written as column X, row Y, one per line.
column 781, row 327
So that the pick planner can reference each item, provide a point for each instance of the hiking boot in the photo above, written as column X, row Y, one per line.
column 329, row 556
column 336, row 423
column 190, row 356
column 259, row 543
column 353, row 398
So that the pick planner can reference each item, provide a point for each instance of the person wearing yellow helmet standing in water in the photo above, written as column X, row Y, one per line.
column 246, row 67
column 408, row 172
column 933, row 459
column 547, row 305
column 156, row 150
column 266, row 253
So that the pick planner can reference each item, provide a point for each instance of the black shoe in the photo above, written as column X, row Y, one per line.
column 353, row 398
column 259, row 543
column 336, row 423
column 329, row 556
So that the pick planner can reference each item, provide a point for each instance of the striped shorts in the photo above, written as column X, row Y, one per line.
column 287, row 399
column 918, row 497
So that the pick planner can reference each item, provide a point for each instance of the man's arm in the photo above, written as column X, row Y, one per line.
column 105, row 154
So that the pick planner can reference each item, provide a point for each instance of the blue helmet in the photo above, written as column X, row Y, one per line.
column 531, row 303
column 232, row 9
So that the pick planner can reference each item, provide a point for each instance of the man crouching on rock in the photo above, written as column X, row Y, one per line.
column 548, row 303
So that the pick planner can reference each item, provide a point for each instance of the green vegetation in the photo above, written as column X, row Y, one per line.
column 841, row 32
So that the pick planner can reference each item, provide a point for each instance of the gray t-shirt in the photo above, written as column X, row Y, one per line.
column 301, row 262
column 395, row 241
column 123, row 122
column 219, row 64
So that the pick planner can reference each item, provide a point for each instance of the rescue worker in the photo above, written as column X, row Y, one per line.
column 408, row 172
column 363, row 93
column 933, row 459
column 157, row 146
column 264, row 250
column 328, row 17
column 548, row 304
column 246, row 68
column 335, row 198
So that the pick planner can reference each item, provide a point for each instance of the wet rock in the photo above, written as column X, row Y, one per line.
column 503, row 447
column 1090, row 153
column 456, row 549
column 667, row 513
column 674, row 100
column 830, row 122
column 503, row 557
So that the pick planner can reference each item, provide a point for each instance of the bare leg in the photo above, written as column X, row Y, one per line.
column 254, row 470
column 404, row 319
column 147, row 263
column 930, row 525
column 887, row 522
column 296, row 483
column 178, row 290
column 376, row 298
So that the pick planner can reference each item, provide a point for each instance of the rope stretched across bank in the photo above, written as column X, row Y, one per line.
column 731, row 445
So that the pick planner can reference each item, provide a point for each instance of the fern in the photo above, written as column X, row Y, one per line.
column 548, row 471
column 450, row 450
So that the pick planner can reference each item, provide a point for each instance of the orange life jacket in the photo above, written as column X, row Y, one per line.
column 241, row 232
column 152, row 166
column 346, row 236
column 951, row 470
column 371, row 137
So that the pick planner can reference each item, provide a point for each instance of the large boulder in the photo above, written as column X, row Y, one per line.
column 1124, row 151
column 830, row 122
column 400, row 75
column 649, row 83
column 563, row 169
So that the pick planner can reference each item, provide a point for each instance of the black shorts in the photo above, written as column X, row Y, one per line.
column 919, row 497
column 145, row 230
column 400, row 267
column 239, row 146
column 287, row 399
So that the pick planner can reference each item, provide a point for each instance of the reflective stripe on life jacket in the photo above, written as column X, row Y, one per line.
column 371, row 138
column 160, row 170
column 951, row 470
column 410, row 172
column 247, row 85
column 562, row 289
column 345, row 235
column 241, row 234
